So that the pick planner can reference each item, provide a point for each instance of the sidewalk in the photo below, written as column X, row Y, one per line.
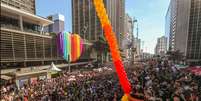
column 38, row 68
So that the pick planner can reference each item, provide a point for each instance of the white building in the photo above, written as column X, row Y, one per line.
column 58, row 25
column 161, row 46
column 127, row 37
column 137, row 46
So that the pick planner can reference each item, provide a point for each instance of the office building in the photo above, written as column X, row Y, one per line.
column 23, row 40
column 137, row 46
column 58, row 25
column 184, row 28
column 128, row 29
column 147, row 56
column 127, row 37
column 161, row 46
column 86, row 23
column 24, row 5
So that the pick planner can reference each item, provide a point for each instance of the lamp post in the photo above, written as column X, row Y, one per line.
column 69, row 63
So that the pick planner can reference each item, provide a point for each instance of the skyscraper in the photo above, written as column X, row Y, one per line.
column 137, row 46
column 58, row 25
column 86, row 23
column 128, row 27
column 24, row 5
column 127, row 39
column 184, row 28
column 161, row 46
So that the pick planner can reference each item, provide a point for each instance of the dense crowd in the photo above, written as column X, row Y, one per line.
column 153, row 81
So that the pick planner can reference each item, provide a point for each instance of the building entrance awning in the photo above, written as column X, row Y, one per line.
column 5, row 77
column 36, row 72
column 41, row 20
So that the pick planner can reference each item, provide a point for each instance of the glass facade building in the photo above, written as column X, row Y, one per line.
column 183, row 26
column 194, row 32
column 86, row 23
column 167, row 26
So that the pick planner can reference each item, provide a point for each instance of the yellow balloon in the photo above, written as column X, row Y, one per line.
column 124, row 98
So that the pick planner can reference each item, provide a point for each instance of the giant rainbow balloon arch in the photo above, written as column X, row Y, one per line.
column 70, row 46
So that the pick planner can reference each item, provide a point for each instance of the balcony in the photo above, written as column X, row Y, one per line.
column 31, row 31
column 14, row 27
column 12, row 23
column 23, row 14
column 10, row 26
column 18, row 20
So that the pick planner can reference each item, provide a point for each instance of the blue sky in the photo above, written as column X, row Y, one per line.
column 149, row 13
column 151, row 19
column 45, row 8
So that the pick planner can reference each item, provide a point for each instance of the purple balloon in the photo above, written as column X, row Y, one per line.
column 60, row 43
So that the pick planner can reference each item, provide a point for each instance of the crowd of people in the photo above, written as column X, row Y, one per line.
column 152, row 81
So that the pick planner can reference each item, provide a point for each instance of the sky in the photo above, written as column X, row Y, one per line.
column 149, row 13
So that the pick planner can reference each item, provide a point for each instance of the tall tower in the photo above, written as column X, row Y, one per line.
column 58, row 25
column 86, row 23
column 161, row 46
column 183, row 28
column 25, row 5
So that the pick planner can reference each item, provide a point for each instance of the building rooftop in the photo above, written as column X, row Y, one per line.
column 40, row 20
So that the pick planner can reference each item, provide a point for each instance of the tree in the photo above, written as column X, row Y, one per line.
column 101, row 47
column 53, row 34
column 175, row 56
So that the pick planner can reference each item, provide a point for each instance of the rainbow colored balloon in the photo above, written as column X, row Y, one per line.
column 70, row 46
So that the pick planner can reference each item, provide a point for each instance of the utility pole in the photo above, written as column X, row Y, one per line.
column 69, row 68
column 142, row 49
column 132, row 47
column 137, row 31
column 69, row 63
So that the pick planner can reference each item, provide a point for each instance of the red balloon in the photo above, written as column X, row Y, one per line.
column 126, row 86
column 112, row 41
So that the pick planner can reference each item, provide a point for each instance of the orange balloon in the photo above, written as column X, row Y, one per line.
column 112, row 41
